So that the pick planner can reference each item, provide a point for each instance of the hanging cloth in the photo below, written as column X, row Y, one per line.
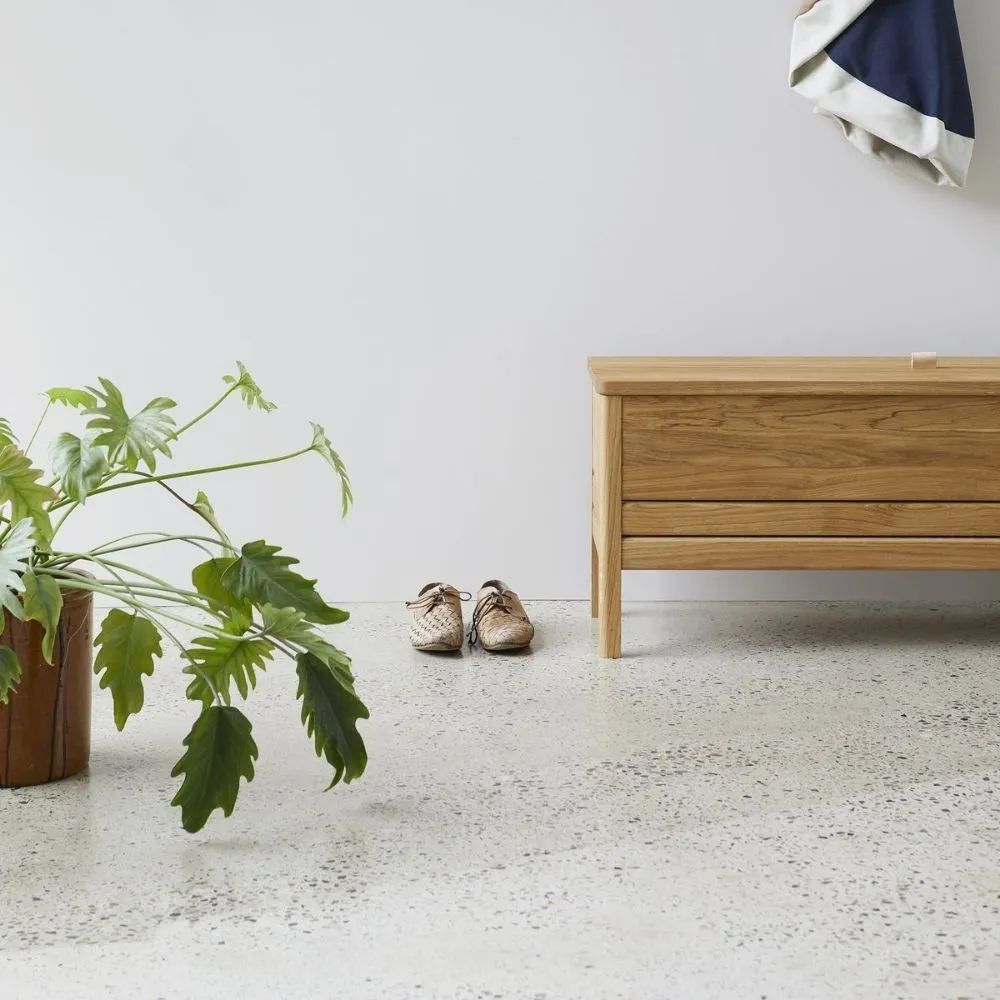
column 892, row 73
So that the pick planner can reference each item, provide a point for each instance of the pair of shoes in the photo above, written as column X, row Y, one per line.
column 499, row 622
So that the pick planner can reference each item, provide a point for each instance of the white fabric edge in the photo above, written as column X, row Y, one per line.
column 814, row 31
column 884, row 128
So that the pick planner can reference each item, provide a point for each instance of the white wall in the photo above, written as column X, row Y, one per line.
column 415, row 220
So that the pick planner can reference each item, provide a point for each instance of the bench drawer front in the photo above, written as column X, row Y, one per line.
column 777, row 519
column 811, row 553
column 933, row 448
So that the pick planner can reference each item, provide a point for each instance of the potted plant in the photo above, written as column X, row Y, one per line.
column 246, row 603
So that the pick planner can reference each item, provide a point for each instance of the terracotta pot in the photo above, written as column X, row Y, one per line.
column 45, row 725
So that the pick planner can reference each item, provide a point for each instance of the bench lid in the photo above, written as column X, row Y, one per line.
column 638, row 376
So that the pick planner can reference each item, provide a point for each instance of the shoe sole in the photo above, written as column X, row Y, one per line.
column 507, row 647
column 437, row 647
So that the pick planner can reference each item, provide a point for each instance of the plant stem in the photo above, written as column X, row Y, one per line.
column 190, row 506
column 38, row 426
column 62, row 519
column 289, row 651
column 161, row 538
column 146, row 478
column 184, row 654
column 205, row 413
column 106, row 589
column 110, row 565
column 100, row 561
column 158, row 589
column 191, row 598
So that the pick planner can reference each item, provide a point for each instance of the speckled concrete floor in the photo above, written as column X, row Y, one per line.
column 780, row 801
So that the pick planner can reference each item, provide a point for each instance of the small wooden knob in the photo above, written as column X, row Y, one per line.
column 924, row 360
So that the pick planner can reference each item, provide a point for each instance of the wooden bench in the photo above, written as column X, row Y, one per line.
column 791, row 463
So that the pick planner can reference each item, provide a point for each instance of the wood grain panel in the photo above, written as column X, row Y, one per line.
column 812, row 553
column 973, row 520
column 821, row 448
column 796, row 376
column 767, row 415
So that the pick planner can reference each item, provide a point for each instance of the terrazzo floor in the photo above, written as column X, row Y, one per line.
column 781, row 801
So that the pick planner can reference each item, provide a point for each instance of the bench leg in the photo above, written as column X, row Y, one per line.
column 609, row 591
column 607, row 555
column 595, row 564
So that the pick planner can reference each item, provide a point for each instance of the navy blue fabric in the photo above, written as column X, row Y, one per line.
column 911, row 50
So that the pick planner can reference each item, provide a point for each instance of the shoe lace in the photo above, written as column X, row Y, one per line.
column 437, row 596
column 493, row 601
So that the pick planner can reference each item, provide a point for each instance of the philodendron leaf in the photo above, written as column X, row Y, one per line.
column 7, row 435
column 207, row 580
column 79, row 463
column 330, row 711
column 290, row 625
column 43, row 604
column 225, row 659
column 220, row 751
column 79, row 399
column 20, row 487
column 249, row 390
column 263, row 577
column 126, row 646
column 10, row 673
column 321, row 445
column 207, row 511
column 15, row 551
column 130, row 439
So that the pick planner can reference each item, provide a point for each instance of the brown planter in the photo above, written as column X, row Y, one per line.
column 45, row 725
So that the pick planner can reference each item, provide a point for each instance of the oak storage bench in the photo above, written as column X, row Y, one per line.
column 791, row 463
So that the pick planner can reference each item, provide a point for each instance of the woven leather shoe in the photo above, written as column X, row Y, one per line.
column 437, row 619
column 499, row 622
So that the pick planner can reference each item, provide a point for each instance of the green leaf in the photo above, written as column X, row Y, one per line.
column 220, row 751
column 207, row 511
column 291, row 626
column 79, row 399
column 43, row 604
column 126, row 646
column 263, row 577
column 15, row 551
column 248, row 389
column 207, row 580
column 330, row 711
column 321, row 445
column 7, row 435
column 10, row 674
column 130, row 439
column 79, row 463
column 225, row 659
column 20, row 487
